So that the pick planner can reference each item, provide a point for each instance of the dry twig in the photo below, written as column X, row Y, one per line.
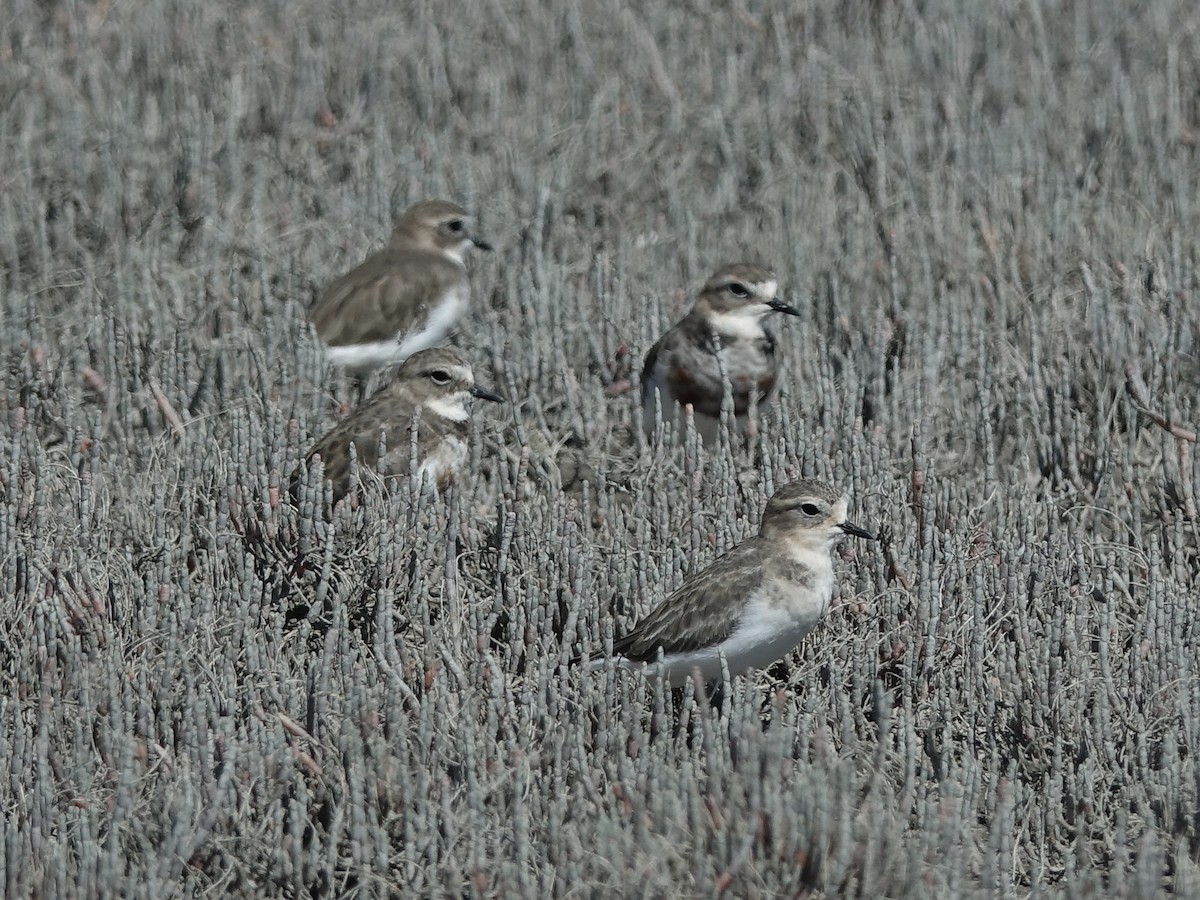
column 1141, row 396
column 167, row 410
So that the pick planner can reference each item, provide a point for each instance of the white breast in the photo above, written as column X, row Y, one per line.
column 817, row 560
column 449, row 456
column 746, row 362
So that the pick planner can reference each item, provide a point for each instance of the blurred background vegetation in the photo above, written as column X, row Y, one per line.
column 988, row 216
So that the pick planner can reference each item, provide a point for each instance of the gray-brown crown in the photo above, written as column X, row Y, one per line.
column 809, row 507
column 429, row 374
column 737, row 285
column 437, row 224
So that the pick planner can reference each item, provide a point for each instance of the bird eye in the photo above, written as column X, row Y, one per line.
column 454, row 226
column 440, row 376
column 810, row 509
column 738, row 290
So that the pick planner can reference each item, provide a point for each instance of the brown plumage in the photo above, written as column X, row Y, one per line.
column 683, row 368
column 434, row 383
column 403, row 298
column 754, row 604
column 696, row 616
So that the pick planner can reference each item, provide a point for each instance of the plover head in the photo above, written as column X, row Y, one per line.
column 440, row 381
column 811, row 513
column 740, row 292
column 437, row 225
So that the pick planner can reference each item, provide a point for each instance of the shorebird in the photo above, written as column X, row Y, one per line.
column 754, row 604
column 432, row 386
column 724, row 329
column 401, row 299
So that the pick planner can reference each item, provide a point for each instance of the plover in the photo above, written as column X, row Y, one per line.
column 434, row 383
column 683, row 368
column 403, row 298
column 754, row 604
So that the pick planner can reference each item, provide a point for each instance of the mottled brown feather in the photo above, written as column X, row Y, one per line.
column 364, row 432
column 693, row 375
column 385, row 294
column 698, row 614
column 392, row 410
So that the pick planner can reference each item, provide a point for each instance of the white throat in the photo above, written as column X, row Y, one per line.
column 745, row 322
column 452, row 407
column 455, row 254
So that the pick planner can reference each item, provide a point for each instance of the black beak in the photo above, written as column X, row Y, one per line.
column 779, row 306
column 481, row 243
column 851, row 529
column 484, row 394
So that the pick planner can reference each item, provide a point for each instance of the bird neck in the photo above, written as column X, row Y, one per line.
column 797, row 543
column 743, row 322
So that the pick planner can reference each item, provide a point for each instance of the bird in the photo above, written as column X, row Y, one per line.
column 755, row 603
column 683, row 365
column 434, row 384
column 403, row 298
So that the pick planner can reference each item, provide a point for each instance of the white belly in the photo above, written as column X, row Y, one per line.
column 364, row 357
column 773, row 625
column 431, row 333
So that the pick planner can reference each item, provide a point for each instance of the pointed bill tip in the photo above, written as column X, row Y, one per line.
column 780, row 306
column 481, row 243
column 854, row 531
column 484, row 394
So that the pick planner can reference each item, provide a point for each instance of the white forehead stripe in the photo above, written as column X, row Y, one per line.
column 766, row 288
column 841, row 510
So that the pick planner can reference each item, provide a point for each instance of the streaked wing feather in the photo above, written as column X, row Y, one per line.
column 373, row 302
column 699, row 613
column 362, row 428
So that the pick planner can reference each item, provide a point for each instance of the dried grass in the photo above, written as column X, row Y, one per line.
column 988, row 218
